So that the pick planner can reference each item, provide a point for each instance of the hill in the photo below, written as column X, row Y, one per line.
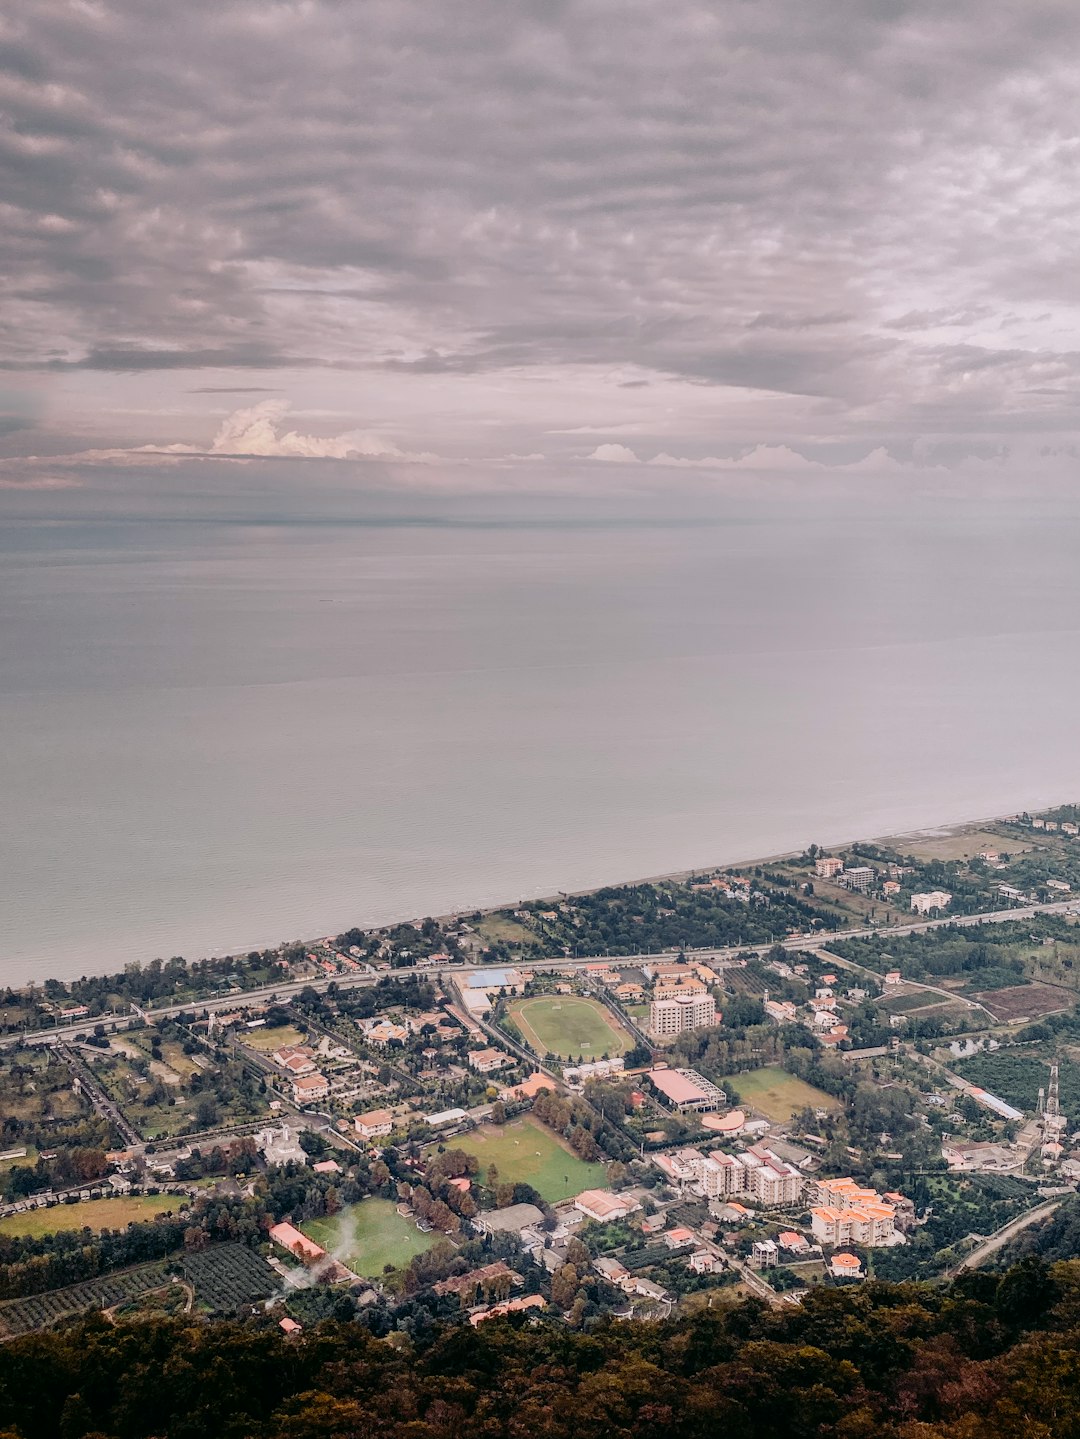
column 992, row 1355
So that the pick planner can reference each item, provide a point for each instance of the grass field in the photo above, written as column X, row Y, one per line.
column 526, row 1152
column 267, row 1040
column 90, row 1214
column 778, row 1095
column 568, row 1026
column 368, row 1236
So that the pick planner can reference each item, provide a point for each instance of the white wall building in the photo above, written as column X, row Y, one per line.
column 681, row 1012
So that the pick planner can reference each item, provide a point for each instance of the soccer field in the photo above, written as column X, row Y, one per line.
column 778, row 1095
column 568, row 1026
column 526, row 1152
column 368, row 1236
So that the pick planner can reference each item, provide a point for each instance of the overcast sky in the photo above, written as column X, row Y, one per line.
column 793, row 235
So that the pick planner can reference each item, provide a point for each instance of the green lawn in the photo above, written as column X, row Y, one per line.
column 526, row 1152
column 368, row 1236
column 93, row 1214
column 568, row 1026
column 267, row 1040
column 778, row 1095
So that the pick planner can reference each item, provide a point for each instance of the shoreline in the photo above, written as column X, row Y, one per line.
column 893, row 838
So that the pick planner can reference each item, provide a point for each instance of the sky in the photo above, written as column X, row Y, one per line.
column 518, row 243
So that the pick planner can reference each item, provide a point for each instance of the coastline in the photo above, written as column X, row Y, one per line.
column 487, row 907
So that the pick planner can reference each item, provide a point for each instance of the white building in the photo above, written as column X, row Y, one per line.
column 932, row 900
column 374, row 1124
column 860, row 877
column 681, row 1012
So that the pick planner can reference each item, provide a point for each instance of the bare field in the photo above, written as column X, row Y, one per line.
column 958, row 844
column 1024, row 1001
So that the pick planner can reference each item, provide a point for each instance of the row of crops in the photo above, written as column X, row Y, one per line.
column 22, row 1316
column 228, row 1276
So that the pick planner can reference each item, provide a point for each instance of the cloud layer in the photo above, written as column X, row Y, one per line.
column 832, row 227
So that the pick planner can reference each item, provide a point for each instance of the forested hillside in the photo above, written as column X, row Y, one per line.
column 991, row 1356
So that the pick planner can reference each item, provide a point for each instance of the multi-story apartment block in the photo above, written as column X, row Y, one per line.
column 681, row 1012
column 828, row 867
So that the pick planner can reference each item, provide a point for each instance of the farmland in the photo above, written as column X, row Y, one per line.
column 21, row 1316
column 227, row 1277
column 526, row 1152
column 368, row 1236
column 778, row 1095
column 95, row 1214
column 568, row 1027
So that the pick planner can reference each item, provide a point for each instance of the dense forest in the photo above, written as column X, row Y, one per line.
column 990, row 1356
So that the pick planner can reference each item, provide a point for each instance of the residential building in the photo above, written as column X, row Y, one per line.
column 828, row 866
column 860, row 877
column 310, row 1087
column 764, row 1254
column 793, row 1243
column 679, row 1011
column 484, row 1061
column 846, row 1266
column 782, row 1011
column 702, row 1261
column 508, row 1306
column 374, row 1124
column 890, row 887
column 577, row 1074
column 894, row 977
column 931, row 901
column 868, row 1224
column 296, row 1059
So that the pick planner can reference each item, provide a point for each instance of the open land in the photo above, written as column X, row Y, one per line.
column 1025, row 1001
column 368, row 1236
column 777, row 1094
column 567, row 1026
column 526, row 1152
column 95, row 1214
column 267, row 1040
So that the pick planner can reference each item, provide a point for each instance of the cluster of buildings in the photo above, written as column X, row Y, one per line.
column 845, row 1212
column 757, row 1172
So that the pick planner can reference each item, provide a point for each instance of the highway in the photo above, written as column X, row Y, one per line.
column 287, row 989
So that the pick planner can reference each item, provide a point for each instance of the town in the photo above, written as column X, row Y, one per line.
column 532, row 1111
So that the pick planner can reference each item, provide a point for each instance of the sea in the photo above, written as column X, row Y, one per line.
column 228, row 722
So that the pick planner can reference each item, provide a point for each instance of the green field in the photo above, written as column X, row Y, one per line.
column 526, row 1152
column 267, row 1040
column 778, row 1095
column 568, row 1026
column 368, row 1236
column 93, row 1214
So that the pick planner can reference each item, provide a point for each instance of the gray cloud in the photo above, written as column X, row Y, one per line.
column 842, row 202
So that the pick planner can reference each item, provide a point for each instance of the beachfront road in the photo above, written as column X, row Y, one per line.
column 290, row 988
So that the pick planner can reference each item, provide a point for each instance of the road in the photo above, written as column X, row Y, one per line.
column 992, row 1244
column 289, row 988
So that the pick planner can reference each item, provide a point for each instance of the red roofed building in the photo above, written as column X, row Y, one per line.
column 288, row 1237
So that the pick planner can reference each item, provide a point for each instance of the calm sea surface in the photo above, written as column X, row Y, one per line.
column 226, row 732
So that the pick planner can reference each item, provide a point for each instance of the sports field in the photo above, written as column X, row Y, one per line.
column 568, row 1026
column 368, row 1236
column 526, row 1152
column 93, row 1214
column 778, row 1095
